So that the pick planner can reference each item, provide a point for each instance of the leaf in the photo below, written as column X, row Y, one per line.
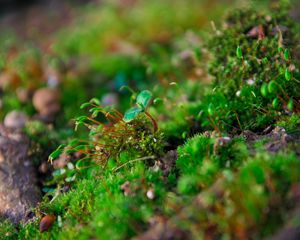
column 239, row 53
column 288, row 75
column 80, row 147
column 210, row 109
column 73, row 142
column 81, row 118
column 84, row 105
column 264, row 89
column 46, row 222
column 48, row 190
column 286, row 55
column 143, row 98
column 290, row 105
column 272, row 87
column 275, row 103
column 158, row 101
column 59, row 172
column 96, row 101
column 55, row 154
column 132, row 113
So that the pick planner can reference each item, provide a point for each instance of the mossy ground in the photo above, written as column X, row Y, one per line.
column 214, row 97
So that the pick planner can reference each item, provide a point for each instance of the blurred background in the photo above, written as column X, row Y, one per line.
column 90, row 48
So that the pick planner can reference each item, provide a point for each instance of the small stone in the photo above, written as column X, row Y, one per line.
column 44, row 167
column 150, row 194
column 15, row 120
column 46, row 101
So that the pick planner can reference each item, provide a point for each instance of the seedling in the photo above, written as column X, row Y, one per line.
column 113, row 134
column 142, row 102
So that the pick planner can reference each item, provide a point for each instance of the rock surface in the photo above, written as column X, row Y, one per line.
column 15, row 119
column 18, row 189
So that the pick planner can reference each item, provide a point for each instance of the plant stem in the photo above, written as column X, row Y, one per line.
column 155, row 127
column 132, row 161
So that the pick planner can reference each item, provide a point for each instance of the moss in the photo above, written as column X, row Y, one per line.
column 221, row 185
column 250, row 82
column 7, row 230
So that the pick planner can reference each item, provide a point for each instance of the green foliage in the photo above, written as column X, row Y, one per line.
column 202, row 157
column 110, row 135
column 142, row 101
column 120, row 178
column 258, row 75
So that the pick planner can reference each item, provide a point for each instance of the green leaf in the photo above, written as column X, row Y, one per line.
column 158, row 101
column 73, row 142
column 272, row 87
column 81, row 119
column 210, row 109
column 275, row 103
column 96, row 101
column 239, row 53
column 143, row 98
column 59, row 172
column 84, row 105
column 55, row 154
column 48, row 190
column 132, row 113
column 264, row 89
column 290, row 105
column 286, row 55
column 288, row 75
column 80, row 147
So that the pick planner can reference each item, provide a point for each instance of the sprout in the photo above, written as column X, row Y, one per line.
column 142, row 102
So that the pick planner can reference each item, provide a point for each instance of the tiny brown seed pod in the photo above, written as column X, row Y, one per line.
column 46, row 222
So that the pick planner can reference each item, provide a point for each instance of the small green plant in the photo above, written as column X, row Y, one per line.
column 142, row 102
column 111, row 133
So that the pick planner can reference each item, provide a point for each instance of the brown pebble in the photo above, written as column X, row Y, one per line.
column 46, row 222
column 46, row 101
column 44, row 167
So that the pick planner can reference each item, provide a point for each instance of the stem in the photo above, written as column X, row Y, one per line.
column 155, row 127
column 134, row 160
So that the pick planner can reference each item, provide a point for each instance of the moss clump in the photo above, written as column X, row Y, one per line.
column 202, row 158
column 254, row 67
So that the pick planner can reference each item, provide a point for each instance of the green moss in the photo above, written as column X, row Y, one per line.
column 218, row 187
column 242, row 81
